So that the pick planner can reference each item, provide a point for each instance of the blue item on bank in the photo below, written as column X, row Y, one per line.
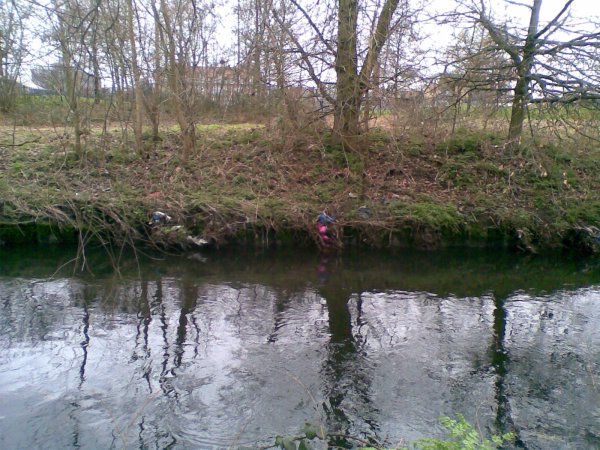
column 325, row 218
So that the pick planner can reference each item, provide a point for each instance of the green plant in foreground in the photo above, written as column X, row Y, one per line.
column 463, row 436
column 301, row 442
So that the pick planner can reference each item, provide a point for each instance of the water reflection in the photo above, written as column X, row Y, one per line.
column 346, row 369
column 499, row 358
column 240, row 348
column 558, row 336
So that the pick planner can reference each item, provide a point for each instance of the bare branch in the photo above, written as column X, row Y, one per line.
column 554, row 21
column 305, row 57
column 314, row 26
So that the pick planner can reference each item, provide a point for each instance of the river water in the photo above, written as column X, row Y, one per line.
column 231, row 349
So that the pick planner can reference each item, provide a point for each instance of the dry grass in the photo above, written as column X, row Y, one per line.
column 424, row 187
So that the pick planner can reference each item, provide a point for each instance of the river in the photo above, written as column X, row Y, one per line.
column 230, row 349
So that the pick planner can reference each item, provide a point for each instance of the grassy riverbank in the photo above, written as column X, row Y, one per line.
column 252, row 183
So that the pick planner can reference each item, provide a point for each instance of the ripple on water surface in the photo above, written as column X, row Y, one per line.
column 230, row 358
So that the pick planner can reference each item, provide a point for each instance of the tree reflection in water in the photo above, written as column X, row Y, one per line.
column 234, row 352
column 346, row 370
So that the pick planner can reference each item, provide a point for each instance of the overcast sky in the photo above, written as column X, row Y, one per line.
column 579, row 8
column 588, row 10
column 517, row 13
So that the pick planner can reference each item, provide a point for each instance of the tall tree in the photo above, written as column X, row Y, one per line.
column 66, row 31
column 152, row 101
column 176, row 84
column 12, row 50
column 69, row 33
column 476, row 72
column 352, row 85
column 186, row 31
column 347, row 102
column 353, row 52
column 138, row 104
column 546, row 58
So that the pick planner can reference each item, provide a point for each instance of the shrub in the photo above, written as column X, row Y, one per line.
column 463, row 436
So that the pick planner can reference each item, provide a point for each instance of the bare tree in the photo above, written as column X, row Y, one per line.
column 138, row 104
column 120, row 38
column 186, row 30
column 69, row 31
column 155, row 68
column 547, row 59
column 69, row 42
column 268, row 56
column 352, row 51
column 476, row 73
column 12, row 50
column 352, row 85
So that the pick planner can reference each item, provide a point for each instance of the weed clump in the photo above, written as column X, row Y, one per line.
column 443, row 217
column 469, row 141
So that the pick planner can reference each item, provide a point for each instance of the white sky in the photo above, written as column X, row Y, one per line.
column 582, row 11
column 440, row 36
column 579, row 8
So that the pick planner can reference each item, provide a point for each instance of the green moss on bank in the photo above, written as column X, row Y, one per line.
column 248, row 185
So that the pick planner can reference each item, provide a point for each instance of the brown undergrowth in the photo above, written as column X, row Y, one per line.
column 248, row 182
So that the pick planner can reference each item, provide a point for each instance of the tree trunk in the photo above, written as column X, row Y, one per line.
column 347, row 105
column 521, row 95
column 257, row 50
column 188, row 128
column 137, row 88
column 156, row 89
column 352, row 87
column 94, row 58
column 517, row 114
column 70, row 87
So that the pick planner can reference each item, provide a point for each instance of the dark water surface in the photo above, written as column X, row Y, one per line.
column 224, row 350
